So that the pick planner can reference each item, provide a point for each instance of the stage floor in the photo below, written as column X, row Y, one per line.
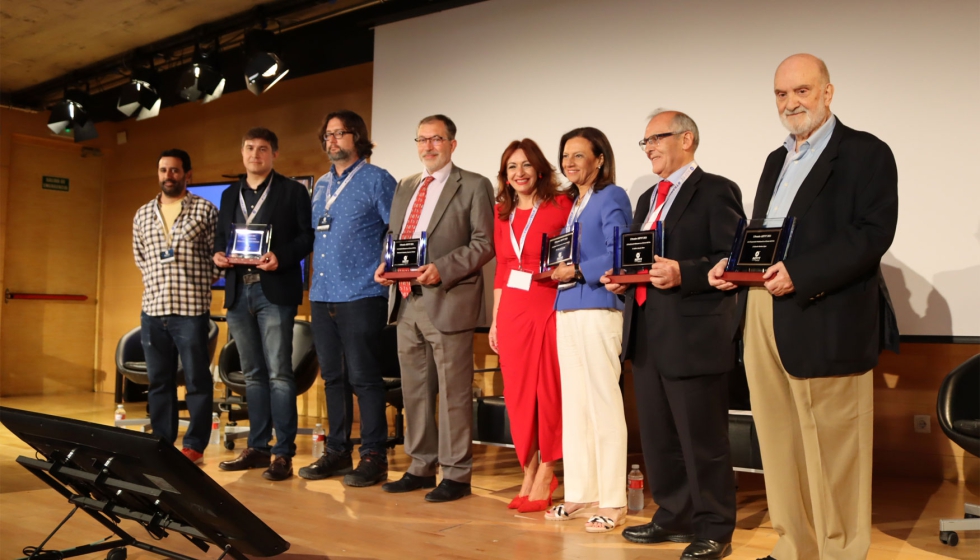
column 326, row 520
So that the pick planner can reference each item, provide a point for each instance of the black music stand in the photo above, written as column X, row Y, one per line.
column 114, row 474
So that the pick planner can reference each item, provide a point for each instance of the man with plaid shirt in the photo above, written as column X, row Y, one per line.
column 173, row 236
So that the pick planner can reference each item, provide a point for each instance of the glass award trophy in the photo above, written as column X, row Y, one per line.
column 403, row 257
column 248, row 242
column 559, row 249
column 634, row 251
column 758, row 245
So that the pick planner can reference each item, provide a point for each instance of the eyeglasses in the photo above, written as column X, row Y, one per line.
column 339, row 134
column 436, row 140
column 656, row 138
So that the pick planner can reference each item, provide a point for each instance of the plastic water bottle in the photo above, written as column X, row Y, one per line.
column 120, row 412
column 215, row 429
column 319, row 440
column 634, row 492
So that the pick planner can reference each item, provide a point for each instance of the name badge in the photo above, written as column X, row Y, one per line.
column 167, row 256
column 520, row 280
column 324, row 223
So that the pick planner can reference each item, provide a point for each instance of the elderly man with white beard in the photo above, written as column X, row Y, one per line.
column 812, row 332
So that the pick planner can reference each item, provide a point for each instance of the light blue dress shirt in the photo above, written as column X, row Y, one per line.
column 797, row 166
column 672, row 194
column 346, row 256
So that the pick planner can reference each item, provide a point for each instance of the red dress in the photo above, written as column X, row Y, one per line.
column 526, row 334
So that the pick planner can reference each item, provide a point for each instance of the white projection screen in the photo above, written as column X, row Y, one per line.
column 906, row 71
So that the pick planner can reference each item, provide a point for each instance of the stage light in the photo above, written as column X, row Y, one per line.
column 263, row 67
column 139, row 95
column 69, row 116
column 202, row 79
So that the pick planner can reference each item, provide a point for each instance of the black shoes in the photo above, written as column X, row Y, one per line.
column 448, row 491
column 408, row 483
column 281, row 468
column 706, row 548
column 250, row 458
column 329, row 464
column 371, row 469
column 653, row 533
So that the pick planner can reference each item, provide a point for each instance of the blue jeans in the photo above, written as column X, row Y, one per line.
column 263, row 332
column 347, row 336
column 164, row 338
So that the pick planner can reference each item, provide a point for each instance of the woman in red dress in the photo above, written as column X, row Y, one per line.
column 529, row 204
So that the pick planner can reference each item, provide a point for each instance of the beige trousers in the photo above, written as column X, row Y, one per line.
column 593, row 420
column 815, row 437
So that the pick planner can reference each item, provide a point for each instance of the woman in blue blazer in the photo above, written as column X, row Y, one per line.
column 590, row 331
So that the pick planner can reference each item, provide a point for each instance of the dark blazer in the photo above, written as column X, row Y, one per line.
column 288, row 208
column 847, row 211
column 690, row 324
column 460, row 242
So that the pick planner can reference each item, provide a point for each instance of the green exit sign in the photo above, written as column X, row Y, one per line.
column 54, row 183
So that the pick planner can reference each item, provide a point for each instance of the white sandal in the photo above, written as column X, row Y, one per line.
column 559, row 513
column 608, row 524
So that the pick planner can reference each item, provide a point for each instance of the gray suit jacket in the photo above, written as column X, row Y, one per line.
column 460, row 242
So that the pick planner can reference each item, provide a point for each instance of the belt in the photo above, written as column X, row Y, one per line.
column 251, row 278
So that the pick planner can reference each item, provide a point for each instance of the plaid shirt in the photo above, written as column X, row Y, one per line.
column 181, row 287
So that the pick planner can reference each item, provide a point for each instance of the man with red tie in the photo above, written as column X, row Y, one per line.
column 677, row 333
column 437, row 314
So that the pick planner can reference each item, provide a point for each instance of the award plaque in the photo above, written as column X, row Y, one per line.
column 248, row 242
column 559, row 249
column 403, row 257
column 634, row 251
column 758, row 245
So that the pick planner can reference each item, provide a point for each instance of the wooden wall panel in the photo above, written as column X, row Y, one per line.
column 52, row 247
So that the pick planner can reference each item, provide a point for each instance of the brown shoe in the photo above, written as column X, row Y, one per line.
column 250, row 458
column 280, row 469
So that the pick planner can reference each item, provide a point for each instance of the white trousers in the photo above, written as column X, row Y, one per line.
column 593, row 420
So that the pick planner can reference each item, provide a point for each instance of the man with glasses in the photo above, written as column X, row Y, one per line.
column 262, row 299
column 676, row 332
column 350, row 213
column 813, row 332
column 437, row 314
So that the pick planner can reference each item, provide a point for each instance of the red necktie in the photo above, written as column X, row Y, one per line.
column 413, row 221
column 663, row 188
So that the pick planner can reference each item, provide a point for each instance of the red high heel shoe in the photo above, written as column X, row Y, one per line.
column 517, row 502
column 530, row 506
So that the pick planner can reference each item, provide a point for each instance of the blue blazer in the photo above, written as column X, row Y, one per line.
column 607, row 209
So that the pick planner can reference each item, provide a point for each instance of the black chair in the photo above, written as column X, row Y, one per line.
column 958, row 410
column 131, row 371
column 742, row 436
column 305, row 368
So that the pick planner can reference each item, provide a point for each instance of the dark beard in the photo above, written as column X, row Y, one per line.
column 174, row 190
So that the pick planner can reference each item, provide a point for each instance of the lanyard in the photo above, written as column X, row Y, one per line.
column 578, row 209
column 654, row 212
column 519, row 247
column 255, row 211
column 163, row 225
column 331, row 198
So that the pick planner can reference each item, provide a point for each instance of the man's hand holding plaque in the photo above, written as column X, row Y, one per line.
column 248, row 244
column 758, row 245
column 634, row 254
column 405, row 259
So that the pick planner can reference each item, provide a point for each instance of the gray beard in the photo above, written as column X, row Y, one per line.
column 174, row 191
column 340, row 155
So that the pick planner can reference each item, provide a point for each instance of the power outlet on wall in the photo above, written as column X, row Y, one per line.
column 922, row 423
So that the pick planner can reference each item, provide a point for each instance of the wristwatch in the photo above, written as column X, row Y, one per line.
column 578, row 274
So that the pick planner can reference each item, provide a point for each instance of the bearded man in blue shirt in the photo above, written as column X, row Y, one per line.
column 351, row 205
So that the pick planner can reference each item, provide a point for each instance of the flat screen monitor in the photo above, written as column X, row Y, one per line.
column 212, row 193
column 187, row 495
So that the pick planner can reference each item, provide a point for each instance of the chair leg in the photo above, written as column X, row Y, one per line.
column 949, row 527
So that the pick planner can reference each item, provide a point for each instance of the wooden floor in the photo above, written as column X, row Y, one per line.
column 326, row 520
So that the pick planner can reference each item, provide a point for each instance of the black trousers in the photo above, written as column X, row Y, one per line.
column 684, row 431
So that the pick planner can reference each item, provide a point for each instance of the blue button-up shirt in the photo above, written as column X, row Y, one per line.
column 797, row 166
column 346, row 256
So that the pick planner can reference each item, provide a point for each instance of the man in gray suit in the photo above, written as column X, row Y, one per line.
column 437, row 316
